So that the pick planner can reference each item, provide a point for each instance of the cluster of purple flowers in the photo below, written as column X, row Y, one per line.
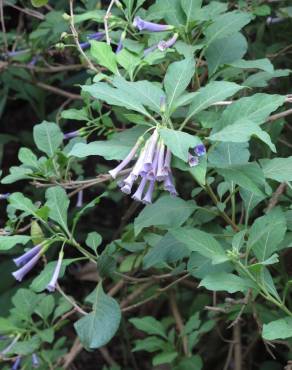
column 199, row 151
column 142, row 25
column 34, row 361
column 152, row 165
column 29, row 259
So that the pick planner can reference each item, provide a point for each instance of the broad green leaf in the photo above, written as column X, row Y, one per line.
column 227, row 154
column 210, row 11
column 166, row 212
column 190, row 7
column 48, row 137
column 191, row 363
column 179, row 142
column 8, row 242
column 75, row 114
column 226, row 25
column 93, row 240
column 201, row 242
column 201, row 266
column 20, row 202
column 148, row 93
column 45, row 307
column 113, row 96
column 215, row 91
column 25, row 302
column 249, row 176
column 98, row 327
column 128, row 60
column 241, row 131
column 225, row 51
column 167, row 250
column 223, row 281
column 164, row 358
column 266, row 234
column 118, row 147
column 170, row 10
column 58, row 204
column 149, row 325
column 263, row 64
column 278, row 329
column 255, row 108
column 27, row 346
column 16, row 174
column 92, row 15
column 279, row 169
column 103, row 54
column 177, row 78
column 261, row 79
column 39, row 3
column 27, row 157
column 7, row 326
column 149, row 344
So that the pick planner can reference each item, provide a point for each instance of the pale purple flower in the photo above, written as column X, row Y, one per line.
column 127, row 160
column 23, row 259
column 4, row 196
column 167, row 161
column 79, row 202
column 93, row 36
column 51, row 287
column 70, row 135
column 193, row 160
column 139, row 192
column 150, row 151
column 128, row 184
column 163, row 45
column 34, row 60
column 169, row 185
column 120, row 44
column 138, row 167
column 142, row 25
column 200, row 150
column 16, row 364
column 148, row 196
column 20, row 273
column 35, row 361
column 160, row 173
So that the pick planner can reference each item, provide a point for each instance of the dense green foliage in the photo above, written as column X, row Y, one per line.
column 183, row 104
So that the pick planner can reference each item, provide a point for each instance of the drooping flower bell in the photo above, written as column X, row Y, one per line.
column 51, row 287
column 199, row 151
column 152, row 166
column 35, row 361
column 142, row 25
column 162, row 45
column 28, row 260
column 71, row 135
column 16, row 364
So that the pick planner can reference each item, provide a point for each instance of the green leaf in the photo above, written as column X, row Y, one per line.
column 263, row 64
column 146, row 92
column 16, row 174
column 128, row 60
column 103, row 55
column 75, row 114
column 20, row 202
column 177, row 78
column 118, row 147
column 226, row 25
column 223, row 281
column 266, row 234
column 167, row 250
column 48, row 137
column 45, row 307
column 164, row 358
column 227, row 154
column 212, row 93
column 279, row 169
column 225, row 51
column 93, row 240
column 58, row 203
column 201, row 242
column 240, row 132
column 149, row 344
column 7, row 326
column 179, row 142
column 261, row 79
column 28, row 346
column 28, row 158
column 8, row 242
column 170, row 10
column 98, row 327
column 39, row 3
column 278, row 329
column 113, row 96
column 25, row 302
column 149, row 325
column 192, row 363
column 166, row 212
column 190, row 7
column 249, row 176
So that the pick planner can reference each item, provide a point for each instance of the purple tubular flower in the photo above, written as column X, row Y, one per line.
column 167, row 160
column 35, row 361
column 139, row 192
column 70, row 135
column 16, row 364
column 200, row 150
column 51, row 287
column 160, row 173
column 128, row 184
column 148, row 196
column 79, row 202
column 163, row 45
column 84, row 45
column 96, row 36
column 152, row 173
column 193, row 160
column 4, row 196
column 20, row 274
column 114, row 172
column 150, row 26
column 169, row 185
column 147, row 165
column 22, row 260
column 34, row 60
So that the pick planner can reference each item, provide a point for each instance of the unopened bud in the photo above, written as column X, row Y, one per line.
column 119, row 4
column 64, row 35
column 66, row 17
column 60, row 45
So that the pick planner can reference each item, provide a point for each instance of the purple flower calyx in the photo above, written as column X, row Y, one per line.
column 152, row 166
column 51, row 287
column 142, row 25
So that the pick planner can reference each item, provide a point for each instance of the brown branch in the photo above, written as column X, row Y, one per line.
column 56, row 90
column 276, row 116
column 275, row 197
column 30, row 12
column 50, row 69
column 237, row 347
column 4, row 36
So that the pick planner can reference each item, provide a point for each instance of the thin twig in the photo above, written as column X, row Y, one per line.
column 106, row 18
column 4, row 36
column 275, row 197
column 237, row 347
column 58, row 91
column 30, row 12
column 71, row 301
